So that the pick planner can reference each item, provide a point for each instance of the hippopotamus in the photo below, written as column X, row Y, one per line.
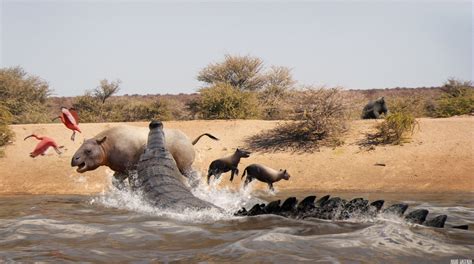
column 119, row 148
column 158, row 176
column 374, row 109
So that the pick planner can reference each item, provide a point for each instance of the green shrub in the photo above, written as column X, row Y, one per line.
column 457, row 99
column 89, row 108
column 447, row 106
column 396, row 128
column 24, row 96
column 5, row 133
column 140, row 111
column 222, row 101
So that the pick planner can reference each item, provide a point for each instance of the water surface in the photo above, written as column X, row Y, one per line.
column 118, row 226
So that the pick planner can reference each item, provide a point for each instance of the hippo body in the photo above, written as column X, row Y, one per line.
column 119, row 148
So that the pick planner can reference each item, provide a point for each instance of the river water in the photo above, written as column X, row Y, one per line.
column 117, row 226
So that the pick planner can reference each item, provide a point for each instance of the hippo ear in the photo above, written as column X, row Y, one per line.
column 284, row 171
column 101, row 140
column 280, row 169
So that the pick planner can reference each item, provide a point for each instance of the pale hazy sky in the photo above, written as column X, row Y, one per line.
column 160, row 46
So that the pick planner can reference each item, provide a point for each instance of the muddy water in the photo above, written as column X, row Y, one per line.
column 118, row 226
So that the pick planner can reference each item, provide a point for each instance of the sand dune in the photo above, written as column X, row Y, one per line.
column 439, row 159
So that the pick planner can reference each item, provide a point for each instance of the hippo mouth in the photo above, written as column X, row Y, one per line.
column 81, row 167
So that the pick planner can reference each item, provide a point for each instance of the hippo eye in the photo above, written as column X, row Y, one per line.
column 88, row 151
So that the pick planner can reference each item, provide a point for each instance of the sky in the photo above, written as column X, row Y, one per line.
column 160, row 46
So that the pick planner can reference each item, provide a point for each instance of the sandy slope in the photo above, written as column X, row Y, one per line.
column 439, row 159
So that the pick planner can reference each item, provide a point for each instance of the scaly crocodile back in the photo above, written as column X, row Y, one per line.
column 159, row 177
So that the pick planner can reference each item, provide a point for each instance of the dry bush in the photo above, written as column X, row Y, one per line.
column 92, row 110
column 106, row 89
column 395, row 129
column 177, row 110
column 319, row 119
column 321, row 113
column 275, row 94
column 414, row 105
column 222, row 101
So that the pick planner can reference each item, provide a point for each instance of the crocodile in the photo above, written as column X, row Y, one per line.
column 160, row 181
column 335, row 208
column 159, row 178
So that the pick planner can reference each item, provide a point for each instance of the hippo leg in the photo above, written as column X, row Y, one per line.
column 118, row 180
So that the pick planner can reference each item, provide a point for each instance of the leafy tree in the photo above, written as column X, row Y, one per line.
column 275, row 92
column 243, row 73
column 106, row 89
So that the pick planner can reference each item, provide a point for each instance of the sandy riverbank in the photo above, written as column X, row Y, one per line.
column 440, row 158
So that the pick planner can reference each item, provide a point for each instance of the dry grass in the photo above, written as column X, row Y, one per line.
column 319, row 119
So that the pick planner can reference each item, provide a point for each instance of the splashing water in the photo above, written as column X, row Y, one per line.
column 117, row 226
column 224, row 198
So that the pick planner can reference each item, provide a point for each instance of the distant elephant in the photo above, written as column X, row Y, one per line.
column 374, row 109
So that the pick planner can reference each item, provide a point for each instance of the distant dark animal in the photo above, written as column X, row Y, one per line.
column 70, row 119
column 264, row 174
column 43, row 145
column 374, row 109
column 336, row 208
column 226, row 164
